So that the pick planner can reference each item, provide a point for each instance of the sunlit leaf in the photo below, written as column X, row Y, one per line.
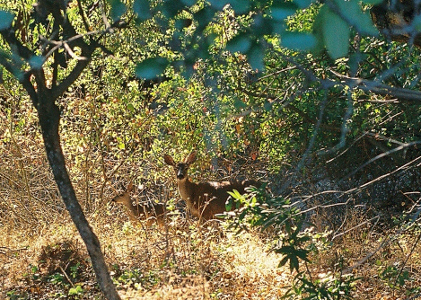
column 6, row 19
column 299, row 41
column 142, row 9
column 336, row 34
column 151, row 68
column 75, row 290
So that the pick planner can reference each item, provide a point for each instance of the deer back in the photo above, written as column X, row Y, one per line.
column 212, row 196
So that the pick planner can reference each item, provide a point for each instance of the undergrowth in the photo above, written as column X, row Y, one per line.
column 43, row 257
column 183, row 263
column 204, row 262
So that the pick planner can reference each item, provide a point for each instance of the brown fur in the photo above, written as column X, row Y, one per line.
column 205, row 199
column 150, row 212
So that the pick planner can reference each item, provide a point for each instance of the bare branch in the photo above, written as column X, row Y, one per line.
column 381, row 89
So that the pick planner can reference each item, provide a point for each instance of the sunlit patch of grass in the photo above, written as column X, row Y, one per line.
column 186, row 263
column 190, row 262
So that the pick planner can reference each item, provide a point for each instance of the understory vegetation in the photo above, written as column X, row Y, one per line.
column 334, row 138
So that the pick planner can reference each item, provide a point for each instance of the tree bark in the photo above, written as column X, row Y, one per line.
column 49, row 117
column 43, row 99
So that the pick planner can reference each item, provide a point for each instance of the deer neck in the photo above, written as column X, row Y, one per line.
column 128, row 206
column 186, row 189
column 133, row 209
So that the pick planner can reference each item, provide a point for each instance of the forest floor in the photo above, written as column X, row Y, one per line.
column 192, row 262
column 187, row 262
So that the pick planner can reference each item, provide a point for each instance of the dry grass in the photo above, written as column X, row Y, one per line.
column 190, row 262
column 183, row 263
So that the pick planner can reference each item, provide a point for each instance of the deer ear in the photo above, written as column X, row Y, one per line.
column 130, row 187
column 191, row 158
column 168, row 160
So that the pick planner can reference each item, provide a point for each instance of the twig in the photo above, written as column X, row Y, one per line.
column 67, row 276
column 381, row 89
column 6, row 250
column 383, row 244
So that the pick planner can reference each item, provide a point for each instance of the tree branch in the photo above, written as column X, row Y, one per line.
column 410, row 96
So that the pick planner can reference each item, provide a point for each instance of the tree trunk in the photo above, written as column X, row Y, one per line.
column 49, row 117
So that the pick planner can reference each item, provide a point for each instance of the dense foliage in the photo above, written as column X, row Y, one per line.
column 310, row 97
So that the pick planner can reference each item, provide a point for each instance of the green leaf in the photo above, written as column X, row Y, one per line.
column 131, row 107
column 203, row 17
column 299, row 41
column 171, row 8
column 267, row 106
column 142, row 9
column 279, row 27
column 372, row 2
column 365, row 25
column 151, row 68
column 416, row 23
column 336, row 34
column 281, row 11
column 283, row 262
column 361, row 21
column 318, row 30
column 255, row 57
column 6, row 19
column 189, row 2
column 75, row 290
column 36, row 62
column 218, row 4
column 240, row 6
column 238, row 104
column 240, row 43
column 294, row 263
column 304, row 3
column 118, row 9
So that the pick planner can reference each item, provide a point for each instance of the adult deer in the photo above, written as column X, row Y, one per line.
column 205, row 199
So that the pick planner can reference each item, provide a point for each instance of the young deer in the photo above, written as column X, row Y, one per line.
column 150, row 212
column 205, row 199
